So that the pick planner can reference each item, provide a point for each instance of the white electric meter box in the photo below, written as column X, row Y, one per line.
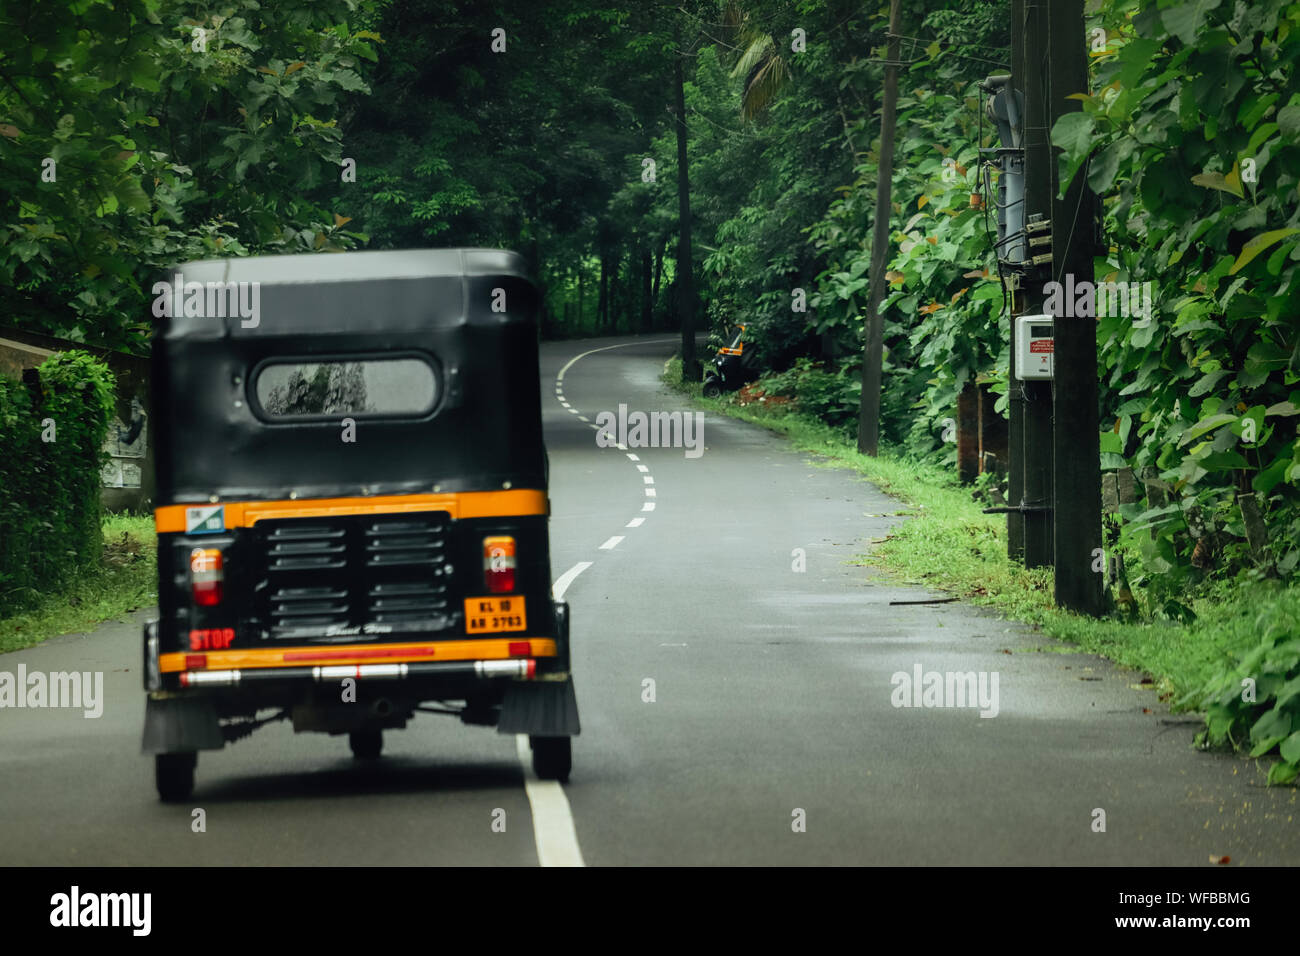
column 1035, row 347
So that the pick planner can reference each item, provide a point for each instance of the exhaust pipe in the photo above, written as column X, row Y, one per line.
column 382, row 707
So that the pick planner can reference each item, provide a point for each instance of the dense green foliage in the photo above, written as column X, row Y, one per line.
column 51, row 452
column 1256, row 703
column 1194, row 144
column 125, row 580
column 527, row 126
column 130, row 141
column 1203, row 400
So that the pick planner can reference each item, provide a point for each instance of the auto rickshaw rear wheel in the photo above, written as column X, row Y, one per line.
column 366, row 744
column 552, row 757
column 174, row 775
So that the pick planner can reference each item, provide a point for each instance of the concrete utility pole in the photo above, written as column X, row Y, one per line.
column 869, row 403
column 1055, row 475
column 1076, row 473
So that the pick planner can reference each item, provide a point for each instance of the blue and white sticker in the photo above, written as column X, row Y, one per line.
column 206, row 520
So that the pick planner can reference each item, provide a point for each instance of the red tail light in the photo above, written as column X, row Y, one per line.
column 499, row 564
column 206, row 576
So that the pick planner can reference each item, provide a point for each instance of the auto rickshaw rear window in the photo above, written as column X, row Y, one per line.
column 296, row 389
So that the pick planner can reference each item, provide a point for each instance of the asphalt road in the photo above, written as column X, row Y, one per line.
column 727, row 698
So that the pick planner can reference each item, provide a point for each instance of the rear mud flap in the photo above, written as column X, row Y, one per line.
column 541, row 708
column 180, row 725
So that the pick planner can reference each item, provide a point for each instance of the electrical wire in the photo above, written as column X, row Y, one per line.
column 985, row 189
column 948, row 48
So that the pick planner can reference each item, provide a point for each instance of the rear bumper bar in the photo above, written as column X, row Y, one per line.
column 299, row 657
column 517, row 668
column 502, row 656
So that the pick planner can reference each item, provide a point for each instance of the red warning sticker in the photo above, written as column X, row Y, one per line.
column 1042, row 345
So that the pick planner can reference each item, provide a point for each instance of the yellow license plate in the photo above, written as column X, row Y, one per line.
column 488, row 615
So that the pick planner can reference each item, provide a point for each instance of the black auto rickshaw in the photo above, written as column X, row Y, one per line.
column 730, row 368
column 351, row 505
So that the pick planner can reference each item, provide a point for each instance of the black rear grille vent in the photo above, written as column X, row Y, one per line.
column 354, row 577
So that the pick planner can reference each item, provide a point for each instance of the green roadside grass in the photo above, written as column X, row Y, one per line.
column 949, row 544
column 126, row 580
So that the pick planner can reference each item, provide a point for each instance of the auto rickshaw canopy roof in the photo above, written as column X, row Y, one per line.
column 344, row 323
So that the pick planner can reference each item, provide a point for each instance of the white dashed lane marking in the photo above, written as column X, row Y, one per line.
column 647, row 480
column 564, row 580
column 553, row 829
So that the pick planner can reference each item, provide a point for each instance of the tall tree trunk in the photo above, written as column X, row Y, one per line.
column 615, row 293
column 644, row 324
column 582, row 306
column 535, row 260
column 685, row 278
column 659, row 272
column 625, row 315
column 602, row 302
column 869, row 410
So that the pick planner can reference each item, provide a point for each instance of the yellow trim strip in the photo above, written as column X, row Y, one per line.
column 466, row 504
column 324, row 656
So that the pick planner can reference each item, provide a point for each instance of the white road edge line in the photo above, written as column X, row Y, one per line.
column 553, row 831
column 605, row 348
